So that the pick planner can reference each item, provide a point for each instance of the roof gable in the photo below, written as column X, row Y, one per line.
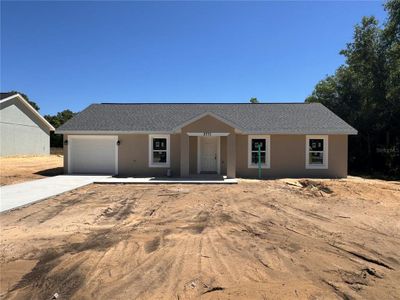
column 201, row 116
column 7, row 97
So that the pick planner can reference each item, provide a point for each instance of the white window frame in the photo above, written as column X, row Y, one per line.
column 324, row 165
column 267, row 139
column 159, row 165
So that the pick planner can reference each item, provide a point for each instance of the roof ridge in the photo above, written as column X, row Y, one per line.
column 197, row 103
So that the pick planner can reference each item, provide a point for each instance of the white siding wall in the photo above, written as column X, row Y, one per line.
column 21, row 132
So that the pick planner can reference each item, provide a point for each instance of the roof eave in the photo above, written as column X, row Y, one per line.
column 110, row 132
column 288, row 132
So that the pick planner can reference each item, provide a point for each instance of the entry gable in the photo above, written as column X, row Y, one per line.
column 207, row 122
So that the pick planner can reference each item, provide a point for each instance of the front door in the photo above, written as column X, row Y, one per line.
column 208, row 154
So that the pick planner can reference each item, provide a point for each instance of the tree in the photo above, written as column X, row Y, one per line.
column 365, row 92
column 58, row 120
column 391, row 40
column 254, row 100
column 34, row 105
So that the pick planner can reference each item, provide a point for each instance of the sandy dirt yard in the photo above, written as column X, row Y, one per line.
column 24, row 168
column 275, row 239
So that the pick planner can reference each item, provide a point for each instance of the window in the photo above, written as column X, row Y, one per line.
column 159, row 150
column 262, row 141
column 317, row 152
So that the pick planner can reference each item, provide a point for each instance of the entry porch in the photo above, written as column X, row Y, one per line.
column 208, row 153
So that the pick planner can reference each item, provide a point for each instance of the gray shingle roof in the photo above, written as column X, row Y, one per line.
column 274, row 118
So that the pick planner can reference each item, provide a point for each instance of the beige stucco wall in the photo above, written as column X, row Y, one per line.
column 193, row 154
column 133, row 156
column 287, row 154
column 288, row 157
column 207, row 124
column 223, row 150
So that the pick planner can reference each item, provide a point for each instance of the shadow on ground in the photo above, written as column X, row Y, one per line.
column 51, row 172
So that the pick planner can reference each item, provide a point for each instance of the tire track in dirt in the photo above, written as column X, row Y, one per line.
column 176, row 274
column 246, row 241
column 254, row 266
column 300, row 216
column 221, row 266
column 101, row 240
column 160, row 261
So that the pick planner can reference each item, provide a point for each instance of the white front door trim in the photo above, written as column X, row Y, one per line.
column 218, row 154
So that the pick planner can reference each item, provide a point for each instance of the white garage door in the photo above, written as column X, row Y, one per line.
column 92, row 154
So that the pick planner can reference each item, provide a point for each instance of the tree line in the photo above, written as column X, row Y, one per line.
column 365, row 92
column 56, row 140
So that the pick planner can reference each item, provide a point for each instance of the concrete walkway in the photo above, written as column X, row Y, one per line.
column 166, row 180
column 20, row 194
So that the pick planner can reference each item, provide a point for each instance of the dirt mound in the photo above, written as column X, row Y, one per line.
column 317, row 188
column 310, row 187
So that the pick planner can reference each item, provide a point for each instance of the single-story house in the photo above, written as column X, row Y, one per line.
column 23, row 131
column 296, row 140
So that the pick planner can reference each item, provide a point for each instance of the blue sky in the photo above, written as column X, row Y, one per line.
column 70, row 54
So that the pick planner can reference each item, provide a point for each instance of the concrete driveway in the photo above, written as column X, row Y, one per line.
column 16, row 195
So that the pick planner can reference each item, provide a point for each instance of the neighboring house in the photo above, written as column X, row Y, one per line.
column 297, row 140
column 23, row 131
